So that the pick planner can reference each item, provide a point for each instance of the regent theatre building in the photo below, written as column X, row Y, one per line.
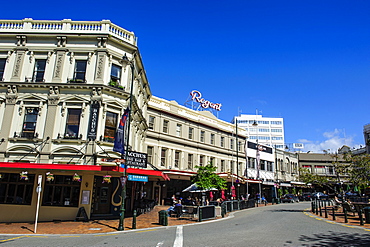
column 64, row 86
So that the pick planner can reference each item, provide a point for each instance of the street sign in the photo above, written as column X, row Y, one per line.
column 136, row 159
column 138, row 178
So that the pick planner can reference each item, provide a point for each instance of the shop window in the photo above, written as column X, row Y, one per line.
column 14, row 190
column 110, row 126
column 29, row 123
column 73, row 123
column 39, row 70
column 62, row 191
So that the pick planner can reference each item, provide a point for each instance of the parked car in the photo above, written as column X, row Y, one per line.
column 289, row 198
column 306, row 196
column 320, row 196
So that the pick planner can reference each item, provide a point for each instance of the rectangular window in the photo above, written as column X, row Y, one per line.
column 29, row 123
column 212, row 161
column 263, row 165
column 163, row 156
column 201, row 160
column 165, row 126
column 39, row 70
column 14, row 190
column 62, row 191
column 212, row 139
column 231, row 143
column 110, row 126
column 232, row 167
column 190, row 162
column 191, row 131
column 177, row 159
column 73, row 123
column 2, row 68
column 80, row 71
column 178, row 130
column 239, row 146
column 222, row 144
column 115, row 75
column 151, row 122
column 202, row 134
column 222, row 165
column 150, row 155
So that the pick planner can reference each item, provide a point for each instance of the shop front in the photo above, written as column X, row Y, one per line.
column 67, row 188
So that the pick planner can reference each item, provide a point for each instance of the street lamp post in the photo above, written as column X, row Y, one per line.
column 123, row 191
column 255, row 124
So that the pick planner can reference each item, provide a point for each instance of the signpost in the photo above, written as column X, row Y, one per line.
column 38, row 190
column 136, row 159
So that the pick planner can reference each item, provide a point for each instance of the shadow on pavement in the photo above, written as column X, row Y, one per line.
column 337, row 239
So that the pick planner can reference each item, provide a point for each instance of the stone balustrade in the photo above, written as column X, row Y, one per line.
column 29, row 25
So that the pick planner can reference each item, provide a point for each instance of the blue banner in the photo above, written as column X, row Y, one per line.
column 138, row 178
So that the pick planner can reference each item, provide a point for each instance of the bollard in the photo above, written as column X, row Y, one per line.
column 345, row 215
column 333, row 214
column 361, row 218
column 200, row 215
column 273, row 200
column 316, row 208
column 326, row 212
column 223, row 210
column 313, row 207
column 134, row 220
column 320, row 210
column 257, row 203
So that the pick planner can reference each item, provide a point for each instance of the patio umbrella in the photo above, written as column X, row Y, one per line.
column 194, row 188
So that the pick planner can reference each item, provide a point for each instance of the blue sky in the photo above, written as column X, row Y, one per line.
column 306, row 61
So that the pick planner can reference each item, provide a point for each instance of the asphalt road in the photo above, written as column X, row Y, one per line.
column 277, row 225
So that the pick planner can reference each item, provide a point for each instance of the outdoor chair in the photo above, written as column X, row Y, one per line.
column 348, row 207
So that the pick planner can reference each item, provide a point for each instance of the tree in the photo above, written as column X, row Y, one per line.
column 206, row 178
column 358, row 169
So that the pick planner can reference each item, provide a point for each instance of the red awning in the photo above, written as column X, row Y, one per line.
column 70, row 167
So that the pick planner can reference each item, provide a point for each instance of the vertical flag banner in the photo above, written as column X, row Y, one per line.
column 119, row 143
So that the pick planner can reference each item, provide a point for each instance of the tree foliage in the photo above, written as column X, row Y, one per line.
column 358, row 169
column 206, row 178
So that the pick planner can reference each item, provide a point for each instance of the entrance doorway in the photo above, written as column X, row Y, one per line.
column 102, row 197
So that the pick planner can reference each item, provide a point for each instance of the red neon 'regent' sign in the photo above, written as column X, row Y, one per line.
column 196, row 95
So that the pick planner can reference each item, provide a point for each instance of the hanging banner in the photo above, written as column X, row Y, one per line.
column 93, row 122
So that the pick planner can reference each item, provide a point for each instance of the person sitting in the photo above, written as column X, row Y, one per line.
column 178, row 208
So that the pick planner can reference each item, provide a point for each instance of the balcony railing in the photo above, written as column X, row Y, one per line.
column 66, row 26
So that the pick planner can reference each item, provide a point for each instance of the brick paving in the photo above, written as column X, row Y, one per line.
column 146, row 220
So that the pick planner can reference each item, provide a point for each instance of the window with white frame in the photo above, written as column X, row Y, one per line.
column 178, row 130
column 73, row 123
column 212, row 139
column 222, row 141
column 191, row 133
column 79, row 74
column 115, row 75
column 110, row 126
column 231, row 143
column 222, row 166
column 2, row 68
column 165, row 126
column 151, row 122
column 29, row 123
column 201, row 160
column 177, row 159
column 163, row 156
column 39, row 70
column 202, row 134
column 190, row 161
column 150, row 154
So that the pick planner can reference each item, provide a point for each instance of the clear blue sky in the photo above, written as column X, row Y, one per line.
column 304, row 60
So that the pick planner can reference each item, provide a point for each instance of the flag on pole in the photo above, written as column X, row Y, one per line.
column 119, row 143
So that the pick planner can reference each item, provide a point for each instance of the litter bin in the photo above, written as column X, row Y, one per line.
column 163, row 217
column 367, row 214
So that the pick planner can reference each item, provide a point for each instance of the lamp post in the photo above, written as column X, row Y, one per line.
column 237, row 159
column 123, row 191
column 255, row 124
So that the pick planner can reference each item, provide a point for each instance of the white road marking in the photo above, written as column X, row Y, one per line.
column 179, row 237
column 159, row 244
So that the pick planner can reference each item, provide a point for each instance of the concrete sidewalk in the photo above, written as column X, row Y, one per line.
column 147, row 220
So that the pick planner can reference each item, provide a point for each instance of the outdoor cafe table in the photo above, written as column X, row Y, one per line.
column 359, row 206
